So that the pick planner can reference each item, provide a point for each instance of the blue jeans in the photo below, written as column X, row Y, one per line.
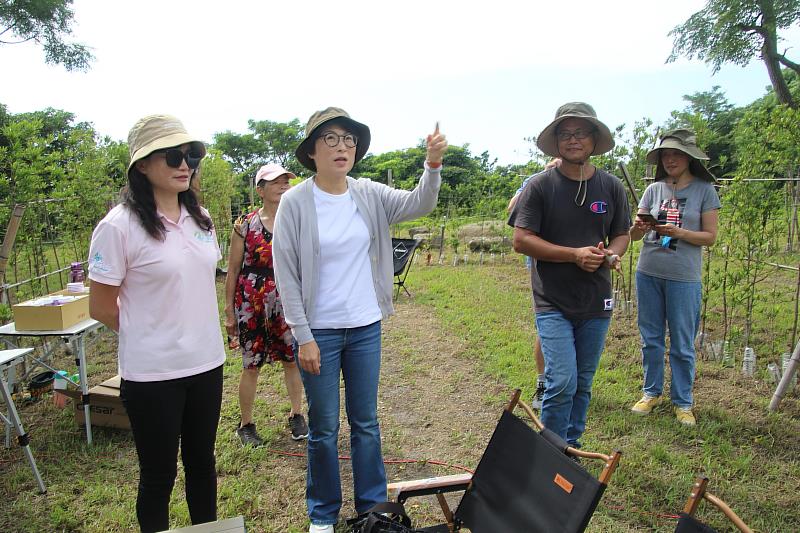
column 676, row 304
column 356, row 354
column 572, row 351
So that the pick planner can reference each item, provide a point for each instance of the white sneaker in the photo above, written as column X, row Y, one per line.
column 313, row 528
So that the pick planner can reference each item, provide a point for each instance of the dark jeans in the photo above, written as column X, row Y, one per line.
column 162, row 414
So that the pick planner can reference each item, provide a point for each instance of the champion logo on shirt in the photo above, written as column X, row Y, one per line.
column 599, row 207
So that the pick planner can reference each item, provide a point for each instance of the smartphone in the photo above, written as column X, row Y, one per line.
column 647, row 217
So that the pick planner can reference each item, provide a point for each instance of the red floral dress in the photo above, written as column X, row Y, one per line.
column 263, row 333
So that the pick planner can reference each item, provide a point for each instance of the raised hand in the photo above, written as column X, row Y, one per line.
column 436, row 145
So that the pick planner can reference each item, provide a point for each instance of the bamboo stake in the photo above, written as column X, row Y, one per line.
column 8, row 241
column 791, row 368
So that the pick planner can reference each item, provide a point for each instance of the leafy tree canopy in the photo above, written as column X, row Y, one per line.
column 47, row 23
column 736, row 31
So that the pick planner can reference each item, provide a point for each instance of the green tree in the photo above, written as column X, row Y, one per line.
column 267, row 142
column 47, row 23
column 736, row 31
column 713, row 119
column 217, row 182
column 280, row 140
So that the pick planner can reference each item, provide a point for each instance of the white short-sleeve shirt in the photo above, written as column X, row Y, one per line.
column 168, row 316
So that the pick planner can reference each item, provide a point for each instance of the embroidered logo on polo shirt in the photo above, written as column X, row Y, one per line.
column 204, row 236
column 599, row 207
column 608, row 304
column 96, row 264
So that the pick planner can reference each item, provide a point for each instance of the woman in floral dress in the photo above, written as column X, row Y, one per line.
column 253, row 313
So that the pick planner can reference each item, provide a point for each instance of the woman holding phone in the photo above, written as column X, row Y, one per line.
column 333, row 263
column 677, row 217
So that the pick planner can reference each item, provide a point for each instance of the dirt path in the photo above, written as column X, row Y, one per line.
column 433, row 405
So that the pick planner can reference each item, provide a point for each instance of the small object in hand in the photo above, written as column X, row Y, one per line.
column 647, row 217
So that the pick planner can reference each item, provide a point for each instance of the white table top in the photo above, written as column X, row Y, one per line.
column 7, row 356
column 11, row 330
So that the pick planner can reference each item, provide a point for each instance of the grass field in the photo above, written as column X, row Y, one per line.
column 478, row 334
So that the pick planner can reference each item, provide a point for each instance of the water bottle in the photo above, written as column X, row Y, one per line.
column 785, row 365
column 76, row 273
column 774, row 373
column 749, row 362
column 727, row 356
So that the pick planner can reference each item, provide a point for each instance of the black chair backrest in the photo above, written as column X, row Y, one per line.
column 402, row 249
column 690, row 524
column 523, row 483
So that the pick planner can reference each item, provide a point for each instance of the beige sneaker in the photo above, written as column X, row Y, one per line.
column 646, row 404
column 685, row 416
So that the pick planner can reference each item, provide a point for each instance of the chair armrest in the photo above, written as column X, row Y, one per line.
column 402, row 490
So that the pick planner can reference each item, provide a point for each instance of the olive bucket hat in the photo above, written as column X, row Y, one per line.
column 155, row 132
column 683, row 140
column 548, row 143
column 320, row 118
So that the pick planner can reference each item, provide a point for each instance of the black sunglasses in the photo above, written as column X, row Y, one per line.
column 175, row 156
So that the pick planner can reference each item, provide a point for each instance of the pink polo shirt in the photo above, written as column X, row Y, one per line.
column 168, row 316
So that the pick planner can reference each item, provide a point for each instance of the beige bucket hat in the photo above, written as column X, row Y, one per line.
column 326, row 115
column 155, row 132
column 683, row 140
column 548, row 143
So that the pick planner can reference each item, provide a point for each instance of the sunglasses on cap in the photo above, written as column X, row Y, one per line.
column 175, row 156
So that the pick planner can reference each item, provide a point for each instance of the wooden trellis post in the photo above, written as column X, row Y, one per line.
column 8, row 245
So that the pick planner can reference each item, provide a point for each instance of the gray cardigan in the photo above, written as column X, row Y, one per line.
column 295, row 241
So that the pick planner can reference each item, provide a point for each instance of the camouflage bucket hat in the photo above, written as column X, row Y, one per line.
column 326, row 115
column 548, row 143
column 683, row 140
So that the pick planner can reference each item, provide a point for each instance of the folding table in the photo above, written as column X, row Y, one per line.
column 76, row 336
column 8, row 360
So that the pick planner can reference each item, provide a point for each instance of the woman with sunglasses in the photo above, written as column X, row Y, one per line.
column 333, row 264
column 152, row 264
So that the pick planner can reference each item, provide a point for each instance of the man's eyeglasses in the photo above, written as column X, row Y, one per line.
column 175, row 156
column 333, row 139
column 578, row 134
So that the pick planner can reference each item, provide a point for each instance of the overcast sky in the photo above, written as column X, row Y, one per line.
column 492, row 73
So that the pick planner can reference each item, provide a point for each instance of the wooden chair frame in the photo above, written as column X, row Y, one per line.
column 699, row 492
column 438, row 486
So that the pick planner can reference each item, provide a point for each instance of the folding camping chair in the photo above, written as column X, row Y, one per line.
column 527, row 480
column 689, row 524
column 403, row 251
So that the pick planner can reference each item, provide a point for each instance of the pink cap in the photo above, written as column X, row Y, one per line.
column 270, row 172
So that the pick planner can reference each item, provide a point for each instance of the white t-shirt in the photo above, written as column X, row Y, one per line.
column 168, row 315
column 346, row 296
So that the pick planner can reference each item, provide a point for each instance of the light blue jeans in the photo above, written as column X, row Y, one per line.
column 676, row 304
column 572, row 350
column 355, row 353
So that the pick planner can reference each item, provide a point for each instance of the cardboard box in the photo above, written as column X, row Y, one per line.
column 105, row 405
column 29, row 317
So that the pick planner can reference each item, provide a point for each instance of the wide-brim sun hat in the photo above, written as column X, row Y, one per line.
column 547, row 142
column 318, row 119
column 270, row 172
column 684, row 140
column 156, row 132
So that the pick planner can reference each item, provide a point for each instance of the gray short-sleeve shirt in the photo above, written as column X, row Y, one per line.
column 675, row 259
